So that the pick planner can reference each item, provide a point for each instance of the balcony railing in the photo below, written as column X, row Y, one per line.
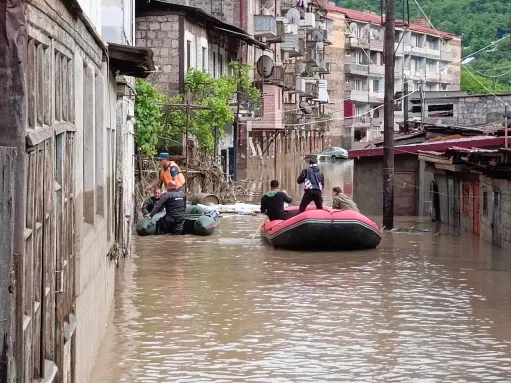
column 286, row 5
column 307, row 86
column 376, row 97
column 250, row 110
column 354, row 42
column 377, row 45
column 358, row 95
column 432, row 76
column 446, row 77
column 359, row 69
column 377, row 69
column 265, row 26
column 291, row 45
column 278, row 76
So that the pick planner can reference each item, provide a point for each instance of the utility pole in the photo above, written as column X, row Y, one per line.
column 405, row 104
column 188, row 109
column 388, row 116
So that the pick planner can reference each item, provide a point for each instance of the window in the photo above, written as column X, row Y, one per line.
column 358, row 84
column 188, row 54
column 99, row 135
column 485, row 202
column 214, row 64
column 221, row 63
column 376, row 86
column 89, row 192
column 204, row 53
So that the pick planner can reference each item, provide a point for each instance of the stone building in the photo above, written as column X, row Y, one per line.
column 459, row 108
column 66, row 149
column 184, row 37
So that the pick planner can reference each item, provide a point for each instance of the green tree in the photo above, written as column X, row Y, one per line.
column 218, row 95
column 476, row 84
column 148, row 116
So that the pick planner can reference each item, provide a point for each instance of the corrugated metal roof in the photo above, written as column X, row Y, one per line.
column 376, row 19
column 469, row 142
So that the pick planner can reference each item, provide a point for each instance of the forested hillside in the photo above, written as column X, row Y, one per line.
column 478, row 22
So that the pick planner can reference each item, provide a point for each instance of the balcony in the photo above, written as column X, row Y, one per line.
column 376, row 45
column 358, row 95
column 265, row 26
column 280, row 34
column 289, row 81
column 327, row 36
column 323, row 67
column 298, row 121
column 377, row 69
column 356, row 69
column 277, row 76
column 358, row 122
column 323, row 96
column 376, row 97
column 446, row 77
column 432, row 76
column 309, row 21
column 312, row 56
column 353, row 42
column 307, row 87
column 286, row 5
column 423, row 52
column 291, row 45
column 250, row 110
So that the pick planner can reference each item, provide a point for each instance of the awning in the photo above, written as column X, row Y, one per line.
column 131, row 61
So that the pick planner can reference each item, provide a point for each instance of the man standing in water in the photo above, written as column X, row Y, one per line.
column 175, row 208
column 149, row 202
column 272, row 203
column 313, row 182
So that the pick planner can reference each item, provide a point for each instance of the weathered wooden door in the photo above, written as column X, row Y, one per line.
column 476, row 203
column 65, row 256
column 453, row 199
column 496, row 218
column 405, row 200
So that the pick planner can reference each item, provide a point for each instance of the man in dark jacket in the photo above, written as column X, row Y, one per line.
column 175, row 208
column 313, row 182
column 149, row 202
column 272, row 203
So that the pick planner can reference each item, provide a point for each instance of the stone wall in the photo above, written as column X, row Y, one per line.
column 161, row 34
column 473, row 110
column 334, row 54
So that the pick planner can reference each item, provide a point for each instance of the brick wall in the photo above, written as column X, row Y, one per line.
column 161, row 34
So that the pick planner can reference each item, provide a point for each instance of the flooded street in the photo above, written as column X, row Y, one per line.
column 226, row 308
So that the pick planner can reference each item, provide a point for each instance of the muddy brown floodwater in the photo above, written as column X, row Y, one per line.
column 419, row 308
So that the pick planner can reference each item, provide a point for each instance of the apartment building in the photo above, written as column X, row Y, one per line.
column 425, row 59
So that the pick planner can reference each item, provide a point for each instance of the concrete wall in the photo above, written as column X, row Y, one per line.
column 368, row 181
column 339, row 135
column 161, row 34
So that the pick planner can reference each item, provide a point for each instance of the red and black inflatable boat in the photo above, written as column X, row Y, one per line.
column 324, row 229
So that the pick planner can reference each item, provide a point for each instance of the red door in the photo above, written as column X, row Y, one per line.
column 476, row 224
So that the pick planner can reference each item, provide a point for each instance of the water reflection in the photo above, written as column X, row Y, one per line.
column 421, row 307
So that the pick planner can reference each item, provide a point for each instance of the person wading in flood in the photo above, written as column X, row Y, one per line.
column 149, row 202
column 174, row 202
column 272, row 203
column 169, row 172
column 313, row 182
column 341, row 201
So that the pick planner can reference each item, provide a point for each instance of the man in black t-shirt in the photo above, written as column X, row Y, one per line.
column 272, row 203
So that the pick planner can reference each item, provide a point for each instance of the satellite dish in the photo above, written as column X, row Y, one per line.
column 265, row 66
column 293, row 16
column 375, row 35
column 317, row 35
column 305, row 107
column 353, row 29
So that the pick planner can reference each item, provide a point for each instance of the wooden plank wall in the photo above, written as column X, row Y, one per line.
column 6, row 236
